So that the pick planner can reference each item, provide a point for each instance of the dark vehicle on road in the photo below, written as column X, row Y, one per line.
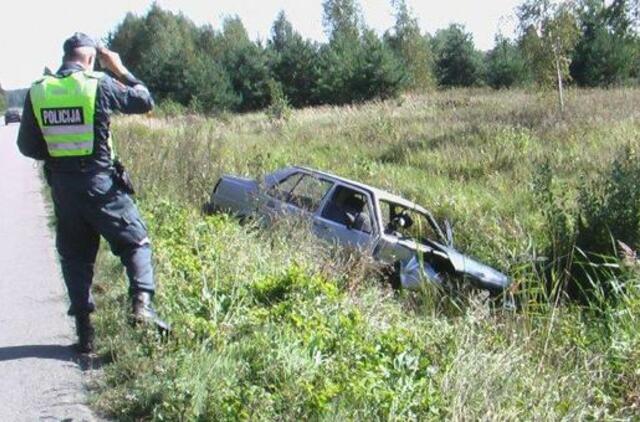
column 12, row 115
column 396, row 232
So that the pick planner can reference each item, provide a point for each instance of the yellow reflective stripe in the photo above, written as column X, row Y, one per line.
column 63, row 139
column 67, row 130
column 70, row 146
column 74, row 153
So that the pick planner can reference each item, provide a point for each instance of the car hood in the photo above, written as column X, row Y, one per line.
column 481, row 274
column 414, row 270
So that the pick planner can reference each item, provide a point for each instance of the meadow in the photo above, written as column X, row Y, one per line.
column 271, row 325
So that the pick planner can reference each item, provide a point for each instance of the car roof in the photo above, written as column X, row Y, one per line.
column 381, row 194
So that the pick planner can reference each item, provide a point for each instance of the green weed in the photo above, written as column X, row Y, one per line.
column 270, row 325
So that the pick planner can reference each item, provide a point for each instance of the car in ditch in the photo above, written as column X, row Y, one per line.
column 397, row 232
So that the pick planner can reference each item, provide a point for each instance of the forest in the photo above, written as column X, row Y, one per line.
column 585, row 43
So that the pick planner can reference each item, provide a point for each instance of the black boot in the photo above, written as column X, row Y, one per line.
column 142, row 312
column 85, row 333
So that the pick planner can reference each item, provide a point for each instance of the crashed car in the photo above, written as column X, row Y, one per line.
column 395, row 231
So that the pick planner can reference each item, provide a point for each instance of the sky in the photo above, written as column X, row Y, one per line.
column 32, row 32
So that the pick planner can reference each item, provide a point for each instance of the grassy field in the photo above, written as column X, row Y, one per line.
column 270, row 325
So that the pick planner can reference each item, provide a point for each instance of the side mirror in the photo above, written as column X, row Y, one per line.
column 351, row 220
column 448, row 232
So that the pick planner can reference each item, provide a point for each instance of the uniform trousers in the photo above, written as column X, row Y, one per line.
column 87, row 206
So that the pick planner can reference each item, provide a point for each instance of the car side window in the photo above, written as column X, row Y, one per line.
column 349, row 207
column 283, row 188
column 403, row 222
column 309, row 192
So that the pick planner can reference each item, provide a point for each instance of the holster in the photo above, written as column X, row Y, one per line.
column 122, row 179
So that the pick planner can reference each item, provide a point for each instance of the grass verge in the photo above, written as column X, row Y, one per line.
column 269, row 325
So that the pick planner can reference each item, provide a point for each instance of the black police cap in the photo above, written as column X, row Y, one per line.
column 78, row 40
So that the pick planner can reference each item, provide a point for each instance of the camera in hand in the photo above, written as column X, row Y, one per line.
column 122, row 178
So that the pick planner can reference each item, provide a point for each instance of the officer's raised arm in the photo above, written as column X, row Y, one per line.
column 126, row 93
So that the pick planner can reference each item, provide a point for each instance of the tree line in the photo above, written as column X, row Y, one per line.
column 12, row 98
column 3, row 99
column 583, row 42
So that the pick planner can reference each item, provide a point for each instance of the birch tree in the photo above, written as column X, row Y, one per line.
column 549, row 33
column 411, row 46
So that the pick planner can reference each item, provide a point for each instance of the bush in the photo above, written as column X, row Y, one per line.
column 506, row 67
column 279, row 110
column 169, row 108
column 583, row 240
column 610, row 206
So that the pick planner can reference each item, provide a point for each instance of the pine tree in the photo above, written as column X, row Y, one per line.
column 378, row 73
column 458, row 63
column 210, row 86
column 293, row 63
column 246, row 64
column 356, row 65
column 607, row 50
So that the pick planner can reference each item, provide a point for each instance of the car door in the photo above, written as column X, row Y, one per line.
column 391, row 248
column 332, row 223
column 299, row 194
column 273, row 201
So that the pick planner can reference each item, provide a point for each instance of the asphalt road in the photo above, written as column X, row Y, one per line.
column 40, row 378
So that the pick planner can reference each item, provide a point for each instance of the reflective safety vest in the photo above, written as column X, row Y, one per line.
column 64, row 108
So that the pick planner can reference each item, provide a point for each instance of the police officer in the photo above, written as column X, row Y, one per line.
column 66, row 123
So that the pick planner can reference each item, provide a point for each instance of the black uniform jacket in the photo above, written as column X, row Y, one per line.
column 128, row 96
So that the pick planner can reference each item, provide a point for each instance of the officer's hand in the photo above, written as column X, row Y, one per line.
column 110, row 60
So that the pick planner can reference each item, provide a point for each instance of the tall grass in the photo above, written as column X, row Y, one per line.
column 272, row 325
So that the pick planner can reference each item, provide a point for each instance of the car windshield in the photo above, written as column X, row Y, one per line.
column 408, row 223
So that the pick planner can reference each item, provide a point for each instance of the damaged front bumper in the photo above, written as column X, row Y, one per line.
column 416, row 271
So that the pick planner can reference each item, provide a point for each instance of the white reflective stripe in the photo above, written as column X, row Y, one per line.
column 67, row 130
column 67, row 146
